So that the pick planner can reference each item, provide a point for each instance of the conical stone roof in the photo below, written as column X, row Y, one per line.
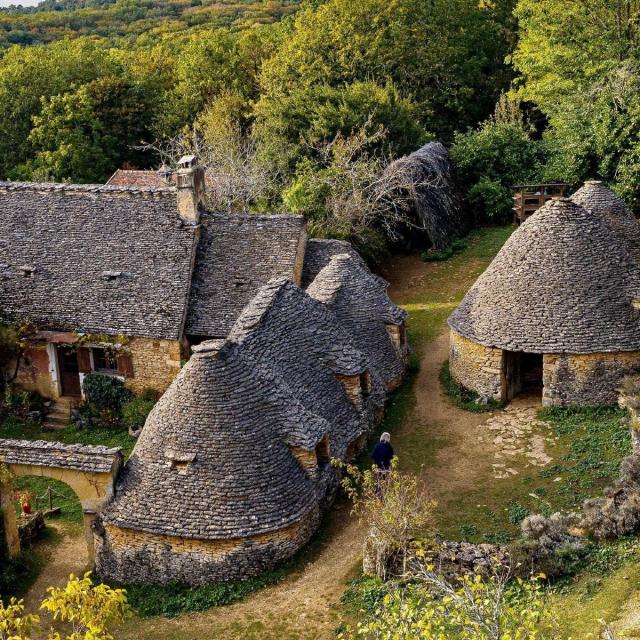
column 302, row 343
column 213, row 460
column 594, row 196
column 359, row 300
column 565, row 281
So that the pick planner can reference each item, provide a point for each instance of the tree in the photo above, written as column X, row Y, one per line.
column 89, row 611
column 444, row 55
column 397, row 510
column 477, row 608
column 289, row 128
column 88, row 132
column 29, row 74
column 578, row 62
column 494, row 157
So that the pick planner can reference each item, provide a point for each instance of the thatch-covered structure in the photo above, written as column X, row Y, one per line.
column 436, row 211
column 558, row 310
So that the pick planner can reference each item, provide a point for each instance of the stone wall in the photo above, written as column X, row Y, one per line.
column 155, row 363
column 477, row 367
column 588, row 379
column 35, row 371
column 129, row 556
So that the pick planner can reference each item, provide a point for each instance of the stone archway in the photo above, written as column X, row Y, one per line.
column 89, row 470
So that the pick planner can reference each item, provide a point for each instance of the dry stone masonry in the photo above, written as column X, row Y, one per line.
column 290, row 348
column 551, row 306
column 232, row 470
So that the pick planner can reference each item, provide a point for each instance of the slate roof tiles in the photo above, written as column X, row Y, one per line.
column 565, row 282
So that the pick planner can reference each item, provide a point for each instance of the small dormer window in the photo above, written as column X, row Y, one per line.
column 110, row 276
column 240, row 283
column 636, row 303
column 179, row 460
column 322, row 452
column 27, row 270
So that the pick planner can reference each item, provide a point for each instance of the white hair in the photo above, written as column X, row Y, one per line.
column 385, row 437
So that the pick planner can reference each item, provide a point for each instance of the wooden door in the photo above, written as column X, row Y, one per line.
column 69, row 371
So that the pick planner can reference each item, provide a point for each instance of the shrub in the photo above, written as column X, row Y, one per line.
column 439, row 256
column 494, row 157
column 105, row 398
column 135, row 412
column 475, row 608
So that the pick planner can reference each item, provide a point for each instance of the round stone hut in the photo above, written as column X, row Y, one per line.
column 557, row 312
column 214, row 489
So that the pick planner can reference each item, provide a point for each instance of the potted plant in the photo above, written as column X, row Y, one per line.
column 24, row 498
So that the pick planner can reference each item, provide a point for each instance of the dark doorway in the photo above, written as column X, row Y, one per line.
column 523, row 373
column 69, row 371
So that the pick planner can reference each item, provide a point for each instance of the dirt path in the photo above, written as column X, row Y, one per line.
column 69, row 556
column 446, row 440
column 305, row 606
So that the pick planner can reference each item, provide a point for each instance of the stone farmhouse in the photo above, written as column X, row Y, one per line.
column 558, row 310
column 276, row 354
column 122, row 280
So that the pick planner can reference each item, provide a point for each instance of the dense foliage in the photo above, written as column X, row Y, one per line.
column 89, row 83
column 578, row 62
column 476, row 608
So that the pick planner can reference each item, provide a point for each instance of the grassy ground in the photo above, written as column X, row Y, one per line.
column 63, row 495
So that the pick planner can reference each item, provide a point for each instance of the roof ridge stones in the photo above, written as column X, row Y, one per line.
column 549, row 290
column 70, row 189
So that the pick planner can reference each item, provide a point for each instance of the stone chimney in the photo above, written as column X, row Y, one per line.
column 191, row 189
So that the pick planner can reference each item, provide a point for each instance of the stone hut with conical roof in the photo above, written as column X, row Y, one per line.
column 214, row 489
column 232, row 470
column 557, row 312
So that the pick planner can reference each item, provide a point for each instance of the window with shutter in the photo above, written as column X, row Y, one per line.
column 125, row 365
column 84, row 360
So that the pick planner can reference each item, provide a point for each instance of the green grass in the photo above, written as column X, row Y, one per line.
column 464, row 398
column 588, row 446
column 433, row 255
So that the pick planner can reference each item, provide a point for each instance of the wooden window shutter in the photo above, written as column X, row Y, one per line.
column 84, row 360
column 125, row 365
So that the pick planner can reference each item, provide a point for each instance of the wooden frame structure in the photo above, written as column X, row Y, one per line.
column 528, row 198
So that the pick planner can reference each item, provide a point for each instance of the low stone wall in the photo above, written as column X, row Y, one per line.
column 477, row 367
column 130, row 556
column 588, row 380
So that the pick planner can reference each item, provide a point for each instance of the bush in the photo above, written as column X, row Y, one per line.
column 20, row 403
column 135, row 412
column 439, row 256
column 494, row 157
column 105, row 398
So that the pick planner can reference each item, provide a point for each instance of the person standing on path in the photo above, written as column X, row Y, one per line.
column 382, row 453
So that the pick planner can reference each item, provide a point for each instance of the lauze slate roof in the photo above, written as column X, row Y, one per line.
column 564, row 282
column 237, row 255
column 213, row 460
column 95, row 258
column 303, row 344
column 105, row 259
column 359, row 300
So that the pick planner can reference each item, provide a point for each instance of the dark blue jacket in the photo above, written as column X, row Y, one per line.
column 382, row 455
